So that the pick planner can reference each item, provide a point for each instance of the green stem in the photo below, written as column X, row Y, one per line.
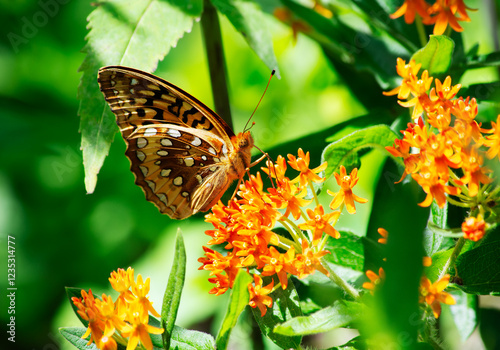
column 421, row 31
column 313, row 192
column 348, row 289
column 453, row 257
column 216, row 61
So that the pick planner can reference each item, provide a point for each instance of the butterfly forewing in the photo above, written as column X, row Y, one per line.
column 178, row 148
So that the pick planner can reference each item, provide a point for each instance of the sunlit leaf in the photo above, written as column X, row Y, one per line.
column 130, row 33
column 341, row 314
column 436, row 56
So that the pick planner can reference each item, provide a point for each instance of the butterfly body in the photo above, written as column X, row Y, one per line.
column 184, row 156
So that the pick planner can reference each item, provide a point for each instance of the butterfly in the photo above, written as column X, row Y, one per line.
column 184, row 156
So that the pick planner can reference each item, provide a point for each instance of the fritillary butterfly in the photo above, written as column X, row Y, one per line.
column 184, row 156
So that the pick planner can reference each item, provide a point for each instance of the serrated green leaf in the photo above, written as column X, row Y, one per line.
column 247, row 18
column 436, row 56
column 74, row 336
column 173, row 292
column 478, row 267
column 464, row 313
column 285, row 307
column 347, row 255
column 237, row 302
column 338, row 152
column 341, row 314
column 130, row 33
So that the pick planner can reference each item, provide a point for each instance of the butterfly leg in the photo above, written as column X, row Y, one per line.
column 264, row 156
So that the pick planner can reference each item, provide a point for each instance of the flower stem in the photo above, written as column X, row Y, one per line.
column 216, row 61
column 453, row 257
column 348, row 289
column 421, row 30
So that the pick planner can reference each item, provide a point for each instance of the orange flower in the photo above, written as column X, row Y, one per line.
column 258, row 295
column 474, row 228
column 289, row 196
column 345, row 195
column 410, row 8
column 137, row 329
column 444, row 92
column 427, row 261
column 302, row 164
column 493, row 141
column 433, row 295
column 279, row 264
column 434, row 186
column 474, row 172
column 444, row 13
column 421, row 100
column 375, row 280
column 309, row 261
column 320, row 222
column 406, row 71
column 383, row 232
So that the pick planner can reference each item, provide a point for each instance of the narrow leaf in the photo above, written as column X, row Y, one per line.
column 340, row 151
column 237, row 302
column 74, row 336
column 131, row 33
column 248, row 19
column 173, row 292
column 341, row 314
column 436, row 56
column 285, row 307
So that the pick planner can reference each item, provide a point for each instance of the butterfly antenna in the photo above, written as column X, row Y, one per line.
column 266, row 155
column 272, row 73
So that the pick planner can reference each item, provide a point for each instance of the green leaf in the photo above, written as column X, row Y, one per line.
column 187, row 339
column 341, row 314
column 489, row 60
column 237, row 302
column 173, row 292
column 74, row 336
column 248, row 19
column 130, row 33
column 432, row 240
column 464, row 313
column 347, row 255
column 436, row 56
column 347, row 148
column 478, row 268
column 439, row 260
column 285, row 307
column 489, row 327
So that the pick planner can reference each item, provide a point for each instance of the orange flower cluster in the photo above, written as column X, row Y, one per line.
column 444, row 149
column 127, row 317
column 245, row 227
column 442, row 13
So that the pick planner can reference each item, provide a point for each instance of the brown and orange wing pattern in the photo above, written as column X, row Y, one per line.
column 178, row 148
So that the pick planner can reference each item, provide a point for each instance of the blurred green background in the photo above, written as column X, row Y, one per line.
column 65, row 237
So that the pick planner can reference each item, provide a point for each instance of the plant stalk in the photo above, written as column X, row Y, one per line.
column 216, row 61
column 346, row 287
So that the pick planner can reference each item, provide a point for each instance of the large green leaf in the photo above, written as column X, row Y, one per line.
column 187, row 339
column 478, row 268
column 345, row 151
column 436, row 56
column 247, row 18
column 237, row 302
column 464, row 313
column 123, row 32
column 285, row 307
column 173, row 292
column 340, row 314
